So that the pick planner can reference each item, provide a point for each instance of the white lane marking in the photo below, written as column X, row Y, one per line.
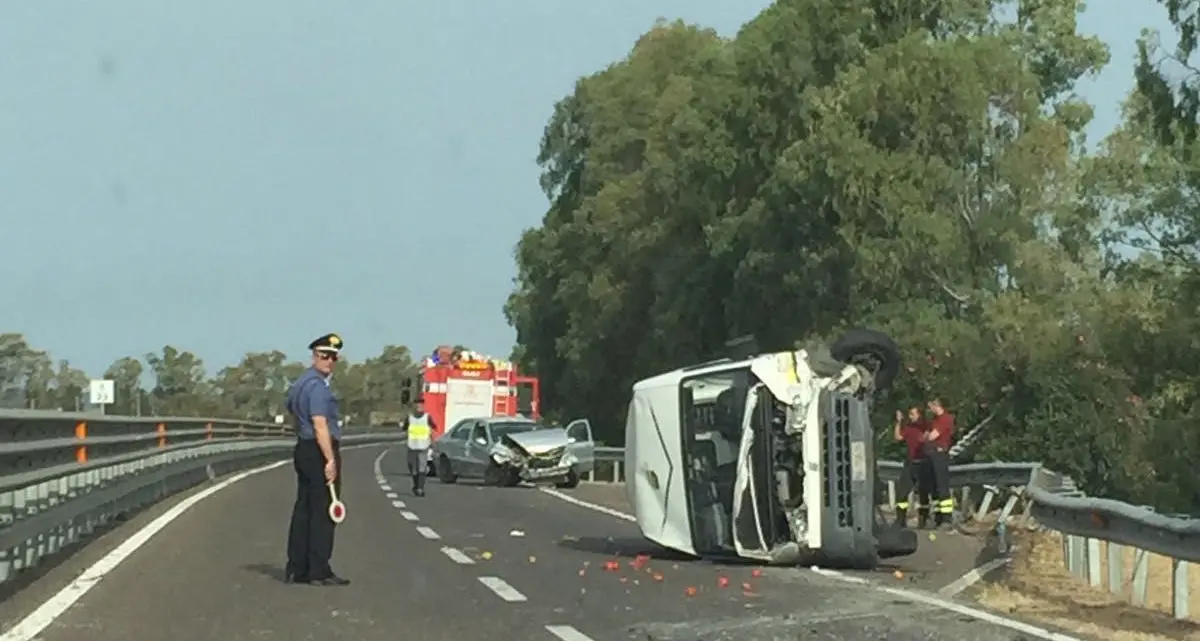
column 502, row 589
column 927, row 599
column 591, row 506
column 378, row 465
column 567, row 633
column 958, row 608
column 398, row 504
column 48, row 612
column 971, row 578
column 409, row 516
column 457, row 556
column 392, row 495
column 428, row 532
column 385, row 487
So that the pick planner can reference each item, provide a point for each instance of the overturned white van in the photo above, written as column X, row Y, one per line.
column 769, row 457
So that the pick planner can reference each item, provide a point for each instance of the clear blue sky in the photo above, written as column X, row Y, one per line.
column 230, row 176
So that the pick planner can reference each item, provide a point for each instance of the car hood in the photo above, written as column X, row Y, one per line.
column 538, row 441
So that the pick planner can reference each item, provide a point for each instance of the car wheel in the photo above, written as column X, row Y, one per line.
column 493, row 475
column 570, row 482
column 445, row 472
column 872, row 350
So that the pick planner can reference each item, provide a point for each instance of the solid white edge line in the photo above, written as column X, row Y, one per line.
column 41, row 618
column 927, row 599
column 428, row 532
column 409, row 516
column 457, row 556
column 591, row 506
column 378, row 465
column 502, row 589
column 974, row 576
column 567, row 633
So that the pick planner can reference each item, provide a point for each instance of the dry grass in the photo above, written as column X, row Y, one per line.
column 1039, row 587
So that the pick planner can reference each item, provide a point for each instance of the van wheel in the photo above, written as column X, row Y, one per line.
column 872, row 350
column 570, row 482
column 445, row 473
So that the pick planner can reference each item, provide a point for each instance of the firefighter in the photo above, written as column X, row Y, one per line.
column 317, row 459
column 939, row 436
column 916, row 472
column 419, row 426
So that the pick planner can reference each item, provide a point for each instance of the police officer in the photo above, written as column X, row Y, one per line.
column 318, row 462
column 916, row 473
column 938, row 438
column 419, row 426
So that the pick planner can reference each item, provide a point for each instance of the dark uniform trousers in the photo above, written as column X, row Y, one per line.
column 917, row 473
column 939, row 466
column 310, row 537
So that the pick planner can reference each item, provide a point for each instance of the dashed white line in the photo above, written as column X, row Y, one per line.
column 428, row 532
column 567, row 633
column 398, row 503
column 409, row 516
column 385, row 487
column 502, row 589
column 457, row 556
column 392, row 495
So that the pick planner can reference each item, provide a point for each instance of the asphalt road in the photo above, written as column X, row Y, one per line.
column 468, row 563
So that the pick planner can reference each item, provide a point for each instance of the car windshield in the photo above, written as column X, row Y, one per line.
column 515, row 427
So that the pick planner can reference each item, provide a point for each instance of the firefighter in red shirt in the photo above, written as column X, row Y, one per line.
column 916, row 472
column 937, row 452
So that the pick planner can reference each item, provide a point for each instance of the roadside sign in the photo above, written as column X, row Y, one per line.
column 102, row 392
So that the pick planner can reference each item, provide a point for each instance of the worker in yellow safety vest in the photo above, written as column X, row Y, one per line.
column 419, row 426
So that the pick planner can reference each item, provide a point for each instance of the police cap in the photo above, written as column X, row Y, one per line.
column 328, row 343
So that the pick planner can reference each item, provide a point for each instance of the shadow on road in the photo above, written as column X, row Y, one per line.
column 266, row 569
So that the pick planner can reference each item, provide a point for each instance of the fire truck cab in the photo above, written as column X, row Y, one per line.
column 457, row 384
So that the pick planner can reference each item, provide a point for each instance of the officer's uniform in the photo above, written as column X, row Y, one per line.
column 916, row 474
column 310, row 538
column 420, row 435
column 938, row 453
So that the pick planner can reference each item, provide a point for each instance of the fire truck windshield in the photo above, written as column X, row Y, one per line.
column 512, row 427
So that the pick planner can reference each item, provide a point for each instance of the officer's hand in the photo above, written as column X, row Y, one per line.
column 899, row 416
column 330, row 471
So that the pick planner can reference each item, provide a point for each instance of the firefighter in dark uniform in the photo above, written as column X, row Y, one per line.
column 318, row 462
column 916, row 473
column 938, row 438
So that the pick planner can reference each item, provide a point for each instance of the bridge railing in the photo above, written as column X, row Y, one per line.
column 63, row 476
column 1027, row 495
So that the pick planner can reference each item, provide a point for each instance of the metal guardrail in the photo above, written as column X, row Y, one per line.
column 64, row 475
column 1030, row 496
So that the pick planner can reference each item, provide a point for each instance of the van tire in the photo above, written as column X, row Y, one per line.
column 857, row 345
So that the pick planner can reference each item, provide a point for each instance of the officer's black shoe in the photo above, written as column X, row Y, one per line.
column 332, row 580
column 292, row 577
column 418, row 491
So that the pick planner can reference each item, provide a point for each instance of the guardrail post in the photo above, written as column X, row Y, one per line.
column 208, row 431
column 616, row 477
column 81, row 449
column 1093, row 562
column 162, row 434
column 1141, row 577
column 1179, row 589
column 1116, row 567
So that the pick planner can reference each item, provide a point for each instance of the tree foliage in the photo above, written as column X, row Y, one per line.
column 918, row 167
column 174, row 382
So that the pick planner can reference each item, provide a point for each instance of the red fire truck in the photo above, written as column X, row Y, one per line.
column 458, row 384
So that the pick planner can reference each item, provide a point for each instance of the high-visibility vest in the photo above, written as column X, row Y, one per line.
column 419, row 432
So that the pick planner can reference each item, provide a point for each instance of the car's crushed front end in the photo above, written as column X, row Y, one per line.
column 538, row 455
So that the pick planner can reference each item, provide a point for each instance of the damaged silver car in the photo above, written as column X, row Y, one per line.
column 505, row 451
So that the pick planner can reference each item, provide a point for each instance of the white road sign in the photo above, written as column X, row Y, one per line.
column 102, row 392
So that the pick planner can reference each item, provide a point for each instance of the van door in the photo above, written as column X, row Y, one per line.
column 581, row 444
